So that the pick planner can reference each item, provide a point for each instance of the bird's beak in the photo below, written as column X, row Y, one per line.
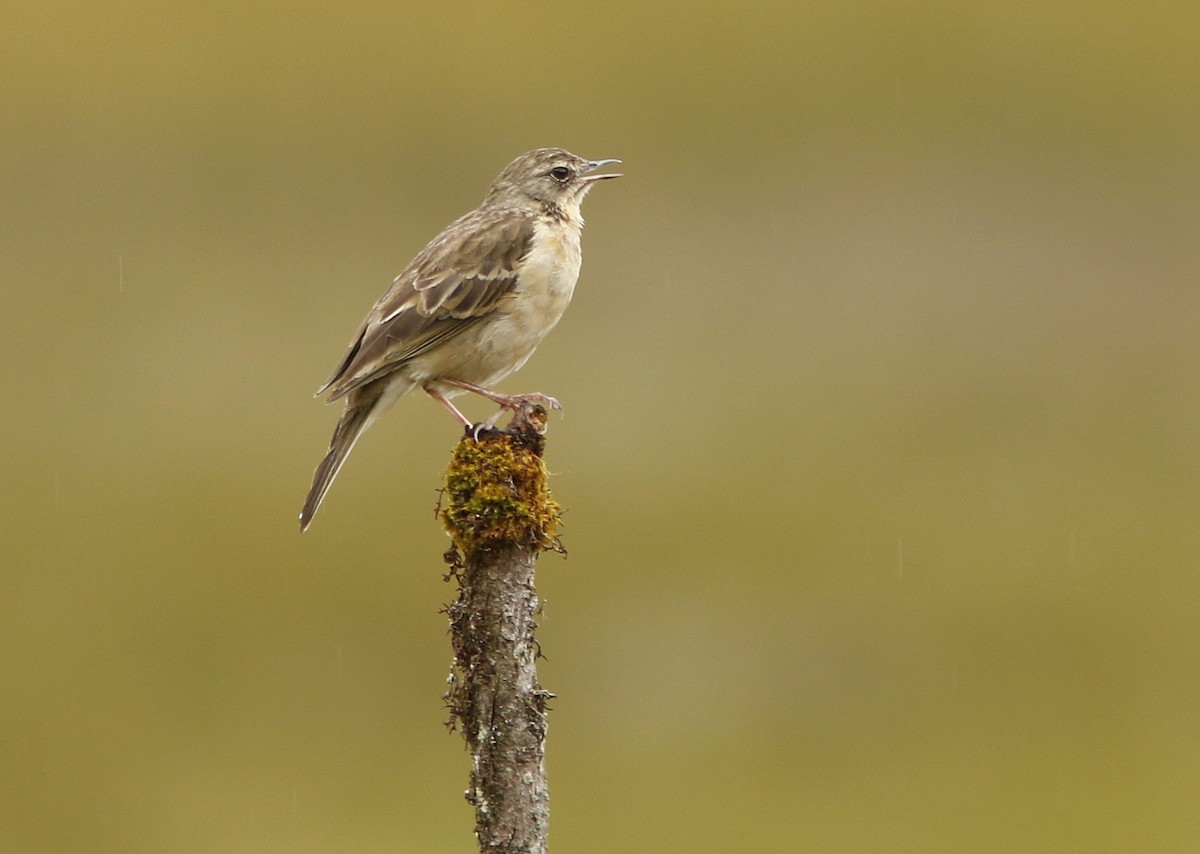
column 593, row 165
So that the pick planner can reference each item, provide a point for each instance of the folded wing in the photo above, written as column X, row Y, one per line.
column 456, row 281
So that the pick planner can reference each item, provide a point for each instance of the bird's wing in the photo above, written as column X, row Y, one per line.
column 455, row 281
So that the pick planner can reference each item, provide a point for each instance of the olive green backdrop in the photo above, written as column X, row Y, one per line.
column 880, row 452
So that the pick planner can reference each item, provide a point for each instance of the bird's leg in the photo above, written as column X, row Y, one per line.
column 445, row 401
column 519, row 404
column 505, row 401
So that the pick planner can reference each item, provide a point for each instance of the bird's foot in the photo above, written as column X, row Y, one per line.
column 519, row 402
column 528, row 416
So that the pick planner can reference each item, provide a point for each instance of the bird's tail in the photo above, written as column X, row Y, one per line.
column 363, row 406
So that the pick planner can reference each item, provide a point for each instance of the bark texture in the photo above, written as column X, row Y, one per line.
column 498, row 511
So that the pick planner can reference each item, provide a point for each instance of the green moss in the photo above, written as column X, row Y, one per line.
column 496, row 494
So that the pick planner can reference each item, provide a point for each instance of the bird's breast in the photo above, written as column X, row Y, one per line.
column 506, row 338
column 546, row 276
column 551, row 266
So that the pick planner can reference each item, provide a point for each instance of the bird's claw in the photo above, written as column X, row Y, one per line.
column 528, row 414
column 474, row 431
column 544, row 399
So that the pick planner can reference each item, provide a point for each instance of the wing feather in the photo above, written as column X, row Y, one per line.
column 454, row 282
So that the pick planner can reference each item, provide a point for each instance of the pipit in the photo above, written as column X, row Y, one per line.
column 471, row 307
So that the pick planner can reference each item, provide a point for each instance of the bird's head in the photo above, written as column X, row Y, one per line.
column 550, row 176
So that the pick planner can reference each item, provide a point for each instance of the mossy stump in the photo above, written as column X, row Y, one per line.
column 500, row 516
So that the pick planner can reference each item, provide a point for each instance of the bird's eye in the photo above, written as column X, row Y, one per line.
column 560, row 174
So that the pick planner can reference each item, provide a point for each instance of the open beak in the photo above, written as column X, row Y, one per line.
column 593, row 165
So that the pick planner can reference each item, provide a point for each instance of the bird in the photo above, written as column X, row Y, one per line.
column 470, row 308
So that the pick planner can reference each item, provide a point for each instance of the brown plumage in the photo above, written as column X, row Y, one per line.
column 471, row 307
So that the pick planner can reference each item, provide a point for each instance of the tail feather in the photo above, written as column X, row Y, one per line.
column 362, row 408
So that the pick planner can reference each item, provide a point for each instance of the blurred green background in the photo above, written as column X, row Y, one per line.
column 880, row 452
